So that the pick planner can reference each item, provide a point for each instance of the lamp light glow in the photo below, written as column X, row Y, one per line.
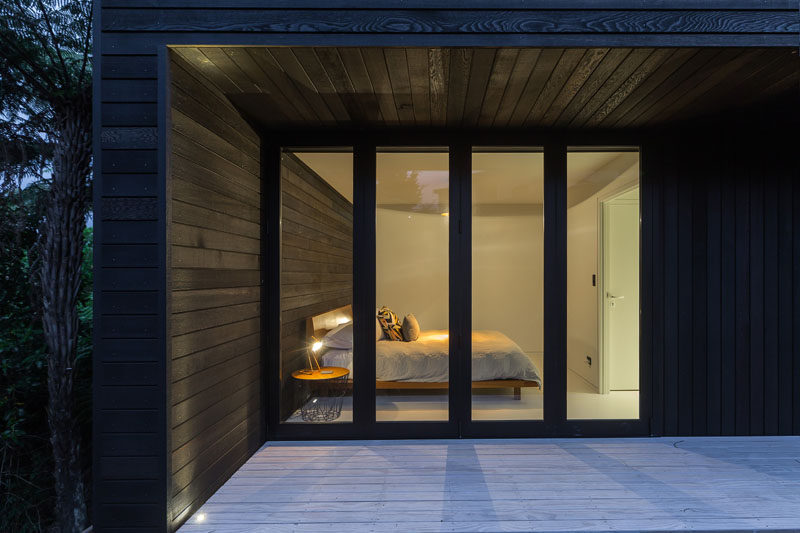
column 316, row 346
column 201, row 517
column 446, row 214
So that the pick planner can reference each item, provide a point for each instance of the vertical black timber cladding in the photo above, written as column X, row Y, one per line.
column 757, row 187
column 727, row 302
column 684, row 295
column 670, row 288
column 742, row 295
column 724, row 281
column 714, row 285
column 699, row 290
column 653, row 228
column 786, row 309
column 793, row 168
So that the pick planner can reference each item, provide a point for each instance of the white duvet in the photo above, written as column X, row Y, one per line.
column 494, row 356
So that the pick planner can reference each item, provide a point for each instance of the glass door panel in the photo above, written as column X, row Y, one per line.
column 507, row 285
column 316, row 286
column 603, row 285
column 412, row 293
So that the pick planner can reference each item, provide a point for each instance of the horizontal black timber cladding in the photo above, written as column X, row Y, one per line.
column 129, row 67
column 129, row 137
column 128, row 114
column 450, row 21
column 144, row 42
column 622, row 5
column 128, row 91
column 123, row 208
column 214, row 228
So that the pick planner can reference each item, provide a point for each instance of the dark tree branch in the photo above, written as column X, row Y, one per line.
column 34, row 78
column 56, row 43
column 87, row 46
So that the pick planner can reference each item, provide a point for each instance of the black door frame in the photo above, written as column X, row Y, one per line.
column 460, row 143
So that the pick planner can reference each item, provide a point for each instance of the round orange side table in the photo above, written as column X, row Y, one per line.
column 323, row 392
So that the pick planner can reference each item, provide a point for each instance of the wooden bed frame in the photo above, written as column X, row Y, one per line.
column 319, row 325
column 516, row 384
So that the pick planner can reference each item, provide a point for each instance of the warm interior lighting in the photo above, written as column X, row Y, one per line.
column 316, row 346
column 201, row 517
column 445, row 214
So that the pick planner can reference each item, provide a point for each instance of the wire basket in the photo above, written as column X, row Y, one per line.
column 323, row 398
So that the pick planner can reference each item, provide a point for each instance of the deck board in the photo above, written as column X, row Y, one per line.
column 702, row 484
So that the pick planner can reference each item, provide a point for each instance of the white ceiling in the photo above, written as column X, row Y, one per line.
column 419, row 180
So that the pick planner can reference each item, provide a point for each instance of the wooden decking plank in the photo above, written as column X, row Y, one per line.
column 512, row 485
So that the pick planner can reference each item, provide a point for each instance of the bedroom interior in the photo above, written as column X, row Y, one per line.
column 412, row 219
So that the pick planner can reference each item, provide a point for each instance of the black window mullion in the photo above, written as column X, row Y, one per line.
column 555, row 283
column 460, row 284
column 271, row 280
column 364, row 286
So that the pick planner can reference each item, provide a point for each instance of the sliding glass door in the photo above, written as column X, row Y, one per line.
column 412, row 347
column 434, row 291
column 507, row 343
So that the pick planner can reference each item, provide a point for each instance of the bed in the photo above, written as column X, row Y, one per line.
column 497, row 361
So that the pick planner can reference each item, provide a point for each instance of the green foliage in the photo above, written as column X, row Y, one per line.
column 26, row 493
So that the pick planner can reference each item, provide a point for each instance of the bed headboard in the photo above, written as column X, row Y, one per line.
column 321, row 324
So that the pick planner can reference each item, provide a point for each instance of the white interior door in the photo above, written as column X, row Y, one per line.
column 621, row 287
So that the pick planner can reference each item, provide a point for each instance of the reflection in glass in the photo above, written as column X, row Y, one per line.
column 603, row 285
column 316, row 279
column 507, row 285
column 411, row 328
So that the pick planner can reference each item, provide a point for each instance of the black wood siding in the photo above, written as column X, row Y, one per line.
column 130, row 444
column 129, row 23
column 721, row 211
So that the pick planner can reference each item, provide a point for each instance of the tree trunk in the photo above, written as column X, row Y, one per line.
column 62, row 245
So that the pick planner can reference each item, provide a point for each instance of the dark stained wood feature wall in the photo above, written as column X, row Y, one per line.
column 721, row 224
column 316, row 263
column 572, row 88
column 216, row 418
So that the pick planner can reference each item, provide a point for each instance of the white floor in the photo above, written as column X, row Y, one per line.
column 583, row 402
column 666, row 484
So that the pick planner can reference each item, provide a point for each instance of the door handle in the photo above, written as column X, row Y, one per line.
column 612, row 297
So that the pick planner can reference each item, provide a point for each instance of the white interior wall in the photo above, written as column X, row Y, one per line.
column 581, row 295
column 412, row 265
column 508, row 277
column 507, row 270
column 581, row 264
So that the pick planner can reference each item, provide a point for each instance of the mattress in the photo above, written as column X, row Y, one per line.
column 494, row 356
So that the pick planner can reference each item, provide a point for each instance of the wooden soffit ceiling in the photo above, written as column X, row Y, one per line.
column 570, row 88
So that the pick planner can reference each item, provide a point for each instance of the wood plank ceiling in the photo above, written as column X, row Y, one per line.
column 570, row 88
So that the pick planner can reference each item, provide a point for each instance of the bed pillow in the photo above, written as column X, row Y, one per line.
column 390, row 324
column 378, row 330
column 410, row 328
column 340, row 337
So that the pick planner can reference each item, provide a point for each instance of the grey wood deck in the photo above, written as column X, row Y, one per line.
column 723, row 483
